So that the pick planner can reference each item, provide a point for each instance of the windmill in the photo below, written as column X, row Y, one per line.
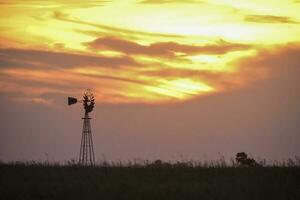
column 86, row 155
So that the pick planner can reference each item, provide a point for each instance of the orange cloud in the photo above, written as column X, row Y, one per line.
column 162, row 49
column 138, row 84
column 272, row 61
column 51, row 59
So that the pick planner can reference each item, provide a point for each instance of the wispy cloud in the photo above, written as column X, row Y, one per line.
column 51, row 59
column 169, row 1
column 270, row 19
column 162, row 49
column 111, row 29
column 56, row 3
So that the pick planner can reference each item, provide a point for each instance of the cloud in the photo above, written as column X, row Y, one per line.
column 276, row 60
column 57, row 3
column 162, row 49
column 51, row 59
column 111, row 29
column 116, row 78
column 168, row 1
column 268, row 63
column 270, row 19
column 38, row 72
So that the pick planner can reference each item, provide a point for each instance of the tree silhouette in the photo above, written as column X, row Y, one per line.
column 243, row 160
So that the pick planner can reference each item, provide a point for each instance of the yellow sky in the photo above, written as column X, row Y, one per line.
column 138, row 51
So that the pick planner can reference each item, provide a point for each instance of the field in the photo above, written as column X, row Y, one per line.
column 155, row 181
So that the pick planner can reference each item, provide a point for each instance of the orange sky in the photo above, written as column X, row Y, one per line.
column 139, row 51
column 198, row 78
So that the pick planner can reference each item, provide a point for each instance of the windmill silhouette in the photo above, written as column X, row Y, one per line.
column 86, row 155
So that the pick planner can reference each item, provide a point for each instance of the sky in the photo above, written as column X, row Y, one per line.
column 194, row 79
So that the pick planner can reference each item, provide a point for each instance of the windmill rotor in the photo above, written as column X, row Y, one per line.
column 88, row 101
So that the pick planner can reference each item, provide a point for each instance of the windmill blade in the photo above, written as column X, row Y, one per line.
column 72, row 100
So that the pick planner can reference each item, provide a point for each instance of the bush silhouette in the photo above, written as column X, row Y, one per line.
column 243, row 160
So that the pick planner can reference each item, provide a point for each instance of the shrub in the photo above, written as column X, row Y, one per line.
column 243, row 160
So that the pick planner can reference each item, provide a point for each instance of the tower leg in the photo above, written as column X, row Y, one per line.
column 86, row 154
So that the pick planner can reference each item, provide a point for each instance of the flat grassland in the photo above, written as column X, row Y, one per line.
column 43, row 181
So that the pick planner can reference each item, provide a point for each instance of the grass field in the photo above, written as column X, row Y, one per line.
column 158, row 181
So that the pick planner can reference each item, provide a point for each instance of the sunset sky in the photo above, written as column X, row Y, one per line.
column 171, row 78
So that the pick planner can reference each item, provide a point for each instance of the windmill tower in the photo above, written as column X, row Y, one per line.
column 86, row 155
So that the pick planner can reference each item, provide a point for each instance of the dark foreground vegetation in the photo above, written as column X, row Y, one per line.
column 157, row 180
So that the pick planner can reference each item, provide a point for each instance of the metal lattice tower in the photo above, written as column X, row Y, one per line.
column 86, row 155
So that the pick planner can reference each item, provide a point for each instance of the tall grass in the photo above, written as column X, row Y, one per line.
column 150, row 180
